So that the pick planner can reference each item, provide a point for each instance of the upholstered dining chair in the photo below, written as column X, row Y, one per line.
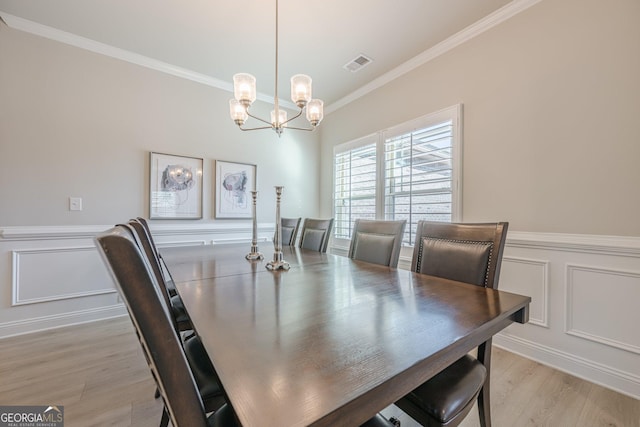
column 197, row 357
column 377, row 241
column 167, row 274
column 157, row 335
column 158, row 338
column 470, row 253
column 289, row 228
column 172, row 299
column 315, row 234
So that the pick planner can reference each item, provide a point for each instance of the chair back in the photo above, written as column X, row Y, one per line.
column 145, row 243
column 143, row 222
column 377, row 241
column 160, row 343
column 289, row 228
column 163, row 268
column 470, row 253
column 315, row 234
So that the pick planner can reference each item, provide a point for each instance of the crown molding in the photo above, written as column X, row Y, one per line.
column 71, row 39
column 479, row 27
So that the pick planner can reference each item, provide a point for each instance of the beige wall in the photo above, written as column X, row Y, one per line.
column 76, row 123
column 551, row 136
column 551, row 117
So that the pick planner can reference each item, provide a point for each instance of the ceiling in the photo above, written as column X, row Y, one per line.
column 217, row 39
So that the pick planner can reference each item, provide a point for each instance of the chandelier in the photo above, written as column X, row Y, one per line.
column 244, row 92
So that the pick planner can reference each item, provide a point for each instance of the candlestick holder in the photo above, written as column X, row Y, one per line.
column 254, row 254
column 278, row 263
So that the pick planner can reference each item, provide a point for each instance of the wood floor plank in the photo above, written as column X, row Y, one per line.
column 560, row 402
column 99, row 374
column 96, row 371
column 607, row 408
column 513, row 393
column 146, row 413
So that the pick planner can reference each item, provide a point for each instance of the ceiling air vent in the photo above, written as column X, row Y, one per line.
column 358, row 63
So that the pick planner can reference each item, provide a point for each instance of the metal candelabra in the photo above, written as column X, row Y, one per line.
column 278, row 263
column 254, row 254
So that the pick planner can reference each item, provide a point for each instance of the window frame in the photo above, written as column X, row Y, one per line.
column 453, row 114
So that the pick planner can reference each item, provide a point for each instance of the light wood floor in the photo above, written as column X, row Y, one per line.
column 98, row 372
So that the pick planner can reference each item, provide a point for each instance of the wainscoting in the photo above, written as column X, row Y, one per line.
column 53, row 276
column 585, row 290
column 585, row 304
column 584, row 313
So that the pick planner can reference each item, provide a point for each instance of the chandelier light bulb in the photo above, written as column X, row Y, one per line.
column 238, row 112
column 244, row 88
column 315, row 111
column 280, row 120
column 301, row 89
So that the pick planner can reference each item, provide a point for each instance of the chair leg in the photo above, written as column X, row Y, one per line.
column 164, row 421
column 484, row 406
column 484, row 401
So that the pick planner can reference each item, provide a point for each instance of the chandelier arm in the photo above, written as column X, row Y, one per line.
column 259, row 119
column 258, row 128
column 292, row 118
column 295, row 128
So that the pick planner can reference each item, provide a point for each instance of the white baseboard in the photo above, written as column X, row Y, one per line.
column 606, row 376
column 37, row 324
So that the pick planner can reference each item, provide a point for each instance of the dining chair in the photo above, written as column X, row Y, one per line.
column 315, row 234
column 377, row 241
column 158, row 338
column 167, row 274
column 197, row 357
column 156, row 333
column 172, row 300
column 470, row 253
column 289, row 227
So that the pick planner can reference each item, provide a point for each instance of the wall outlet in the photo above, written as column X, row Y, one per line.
column 75, row 203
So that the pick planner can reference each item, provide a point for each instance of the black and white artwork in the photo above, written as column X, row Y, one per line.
column 175, row 187
column 234, row 183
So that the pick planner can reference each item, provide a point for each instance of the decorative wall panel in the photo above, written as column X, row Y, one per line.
column 528, row 277
column 41, row 275
column 603, row 306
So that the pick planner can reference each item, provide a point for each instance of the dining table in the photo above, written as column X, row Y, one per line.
column 331, row 341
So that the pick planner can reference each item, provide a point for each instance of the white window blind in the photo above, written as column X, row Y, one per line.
column 418, row 176
column 355, row 187
column 411, row 171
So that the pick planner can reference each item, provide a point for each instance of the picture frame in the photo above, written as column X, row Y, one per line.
column 233, row 186
column 175, row 186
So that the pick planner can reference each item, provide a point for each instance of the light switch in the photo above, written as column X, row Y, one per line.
column 75, row 203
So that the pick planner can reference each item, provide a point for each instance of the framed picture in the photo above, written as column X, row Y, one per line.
column 175, row 187
column 234, row 183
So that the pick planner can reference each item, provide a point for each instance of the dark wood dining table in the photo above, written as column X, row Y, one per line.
column 332, row 341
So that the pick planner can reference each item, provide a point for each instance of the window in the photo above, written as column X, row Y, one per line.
column 410, row 171
column 355, row 186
